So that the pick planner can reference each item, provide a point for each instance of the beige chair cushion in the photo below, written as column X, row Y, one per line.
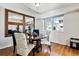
column 45, row 41
column 26, row 51
column 50, row 36
column 21, row 40
column 22, row 48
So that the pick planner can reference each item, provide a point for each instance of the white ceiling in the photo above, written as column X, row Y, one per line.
column 46, row 7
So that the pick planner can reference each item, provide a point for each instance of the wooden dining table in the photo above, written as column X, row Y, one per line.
column 37, row 41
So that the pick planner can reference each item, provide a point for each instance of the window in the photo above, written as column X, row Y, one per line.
column 48, row 24
column 55, row 23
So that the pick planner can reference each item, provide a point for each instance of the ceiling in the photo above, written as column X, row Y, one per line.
column 46, row 7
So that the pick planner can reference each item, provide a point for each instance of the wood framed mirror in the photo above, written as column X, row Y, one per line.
column 18, row 22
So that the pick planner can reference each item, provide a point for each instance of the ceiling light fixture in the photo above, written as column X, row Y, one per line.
column 37, row 4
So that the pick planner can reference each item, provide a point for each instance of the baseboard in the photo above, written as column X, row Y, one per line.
column 59, row 43
column 6, row 46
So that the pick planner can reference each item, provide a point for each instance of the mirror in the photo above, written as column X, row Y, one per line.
column 18, row 22
column 13, row 17
column 15, row 22
column 29, row 24
column 12, row 27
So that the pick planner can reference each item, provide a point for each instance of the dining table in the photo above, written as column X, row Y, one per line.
column 37, row 41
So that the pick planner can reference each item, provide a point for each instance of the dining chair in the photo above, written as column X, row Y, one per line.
column 46, row 41
column 21, row 47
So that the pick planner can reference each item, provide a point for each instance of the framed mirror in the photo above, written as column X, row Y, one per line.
column 18, row 22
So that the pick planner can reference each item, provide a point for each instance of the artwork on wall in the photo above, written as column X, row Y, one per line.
column 58, row 23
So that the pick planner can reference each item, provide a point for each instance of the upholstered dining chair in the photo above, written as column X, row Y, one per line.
column 20, row 44
column 46, row 41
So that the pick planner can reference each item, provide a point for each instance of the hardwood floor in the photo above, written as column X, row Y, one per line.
column 61, row 50
column 6, row 51
column 56, row 50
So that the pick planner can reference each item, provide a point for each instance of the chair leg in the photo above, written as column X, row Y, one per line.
column 41, row 47
column 14, row 53
column 33, row 51
column 50, row 48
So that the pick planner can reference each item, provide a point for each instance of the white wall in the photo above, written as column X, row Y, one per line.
column 71, row 29
column 71, row 25
column 6, row 42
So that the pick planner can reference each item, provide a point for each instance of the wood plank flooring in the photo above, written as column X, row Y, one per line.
column 61, row 50
column 56, row 50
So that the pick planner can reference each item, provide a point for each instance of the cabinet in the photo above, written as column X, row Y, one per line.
column 74, row 43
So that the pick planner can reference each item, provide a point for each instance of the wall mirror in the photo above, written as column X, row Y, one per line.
column 29, row 24
column 13, row 17
column 18, row 22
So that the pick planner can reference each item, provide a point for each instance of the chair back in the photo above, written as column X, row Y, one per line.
column 50, row 36
column 21, row 41
column 36, row 32
column 14, row 40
